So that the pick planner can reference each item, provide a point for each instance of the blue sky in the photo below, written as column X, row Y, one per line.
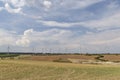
column 57, row 25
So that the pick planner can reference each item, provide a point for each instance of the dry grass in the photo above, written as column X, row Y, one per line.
column 112, row 57
column 35, row 70
column 81, row 57
column 56, row 57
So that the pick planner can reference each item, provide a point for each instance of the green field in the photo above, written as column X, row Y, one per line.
column 38, row 70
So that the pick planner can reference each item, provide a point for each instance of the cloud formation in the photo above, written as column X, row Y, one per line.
column 11, row 10
column 56, row 38
column 47, row 4
column 109, row 22
column 16, row 5
column 91, row 25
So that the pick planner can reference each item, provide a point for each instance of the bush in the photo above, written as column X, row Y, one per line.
column 11, row 56
column 100, row 58
column 62, row 60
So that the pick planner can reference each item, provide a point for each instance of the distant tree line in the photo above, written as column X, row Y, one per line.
column 3, row 56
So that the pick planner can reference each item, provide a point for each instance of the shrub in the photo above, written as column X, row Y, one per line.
column 11, row 56
column 100, row 58
column 62, row 60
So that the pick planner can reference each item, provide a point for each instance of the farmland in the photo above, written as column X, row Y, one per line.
column 107, row 57
column 44, row 68
column 35, row 70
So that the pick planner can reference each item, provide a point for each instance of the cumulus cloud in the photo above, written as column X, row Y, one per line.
column 59, row 38
column 47, row 4
column 56, row 38
column 25, row 41
column 65, row 37
column 61, row 13
column 53, row 36
column 28, row 32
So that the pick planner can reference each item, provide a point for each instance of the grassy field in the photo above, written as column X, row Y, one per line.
column 40, row 70
column 105, row 57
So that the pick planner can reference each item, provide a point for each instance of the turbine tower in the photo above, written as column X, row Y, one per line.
column 8, row 49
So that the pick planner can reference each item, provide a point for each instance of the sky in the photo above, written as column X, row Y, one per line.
column 90, row 26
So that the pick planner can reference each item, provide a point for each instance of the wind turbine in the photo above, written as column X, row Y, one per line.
column 8, row 49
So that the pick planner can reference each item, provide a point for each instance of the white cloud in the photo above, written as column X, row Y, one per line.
column 28, row 32
column 57, row 38
column 110, row 37
column 19, row 6
column 57, row 24
column 47, row 4
column 65, row 37
column 50, row 36
column 11, row 10
column 17, row 3
column 103, row 42
column 25, row 41
column 6, row 37
column 104, row 23
column 13, row 6
column 60, row 37
column 108, row 22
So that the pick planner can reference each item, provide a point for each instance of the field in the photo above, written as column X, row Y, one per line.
column 112, row 57
column 44, row 70
column 55, row 57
